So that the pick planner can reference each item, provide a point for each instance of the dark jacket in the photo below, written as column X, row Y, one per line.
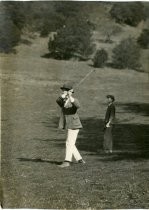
column 110, row 114
column 69, row 118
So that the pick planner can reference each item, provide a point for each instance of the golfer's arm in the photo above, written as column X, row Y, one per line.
column 76, row 103
column 60, row 101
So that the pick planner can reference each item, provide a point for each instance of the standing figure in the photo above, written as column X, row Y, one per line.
column 70, row 120
column 109, row 121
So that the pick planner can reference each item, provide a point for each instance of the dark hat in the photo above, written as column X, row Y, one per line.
column 111, row 96
column 67, row 87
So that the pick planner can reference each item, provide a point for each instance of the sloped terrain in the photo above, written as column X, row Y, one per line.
column 32, row 146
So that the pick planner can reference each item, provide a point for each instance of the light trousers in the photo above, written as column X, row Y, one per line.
column 71, row 149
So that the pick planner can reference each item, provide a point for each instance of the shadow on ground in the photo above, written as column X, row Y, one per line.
column 26, row 42
column 39, row 160
column 130, row 140
column 138, row 108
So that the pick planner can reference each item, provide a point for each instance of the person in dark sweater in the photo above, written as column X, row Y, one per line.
column 108, row 124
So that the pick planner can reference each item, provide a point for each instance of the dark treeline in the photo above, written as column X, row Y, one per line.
column 56, row 16
column 43, row 17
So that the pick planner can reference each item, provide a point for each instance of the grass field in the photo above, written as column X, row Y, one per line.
column 32, row 146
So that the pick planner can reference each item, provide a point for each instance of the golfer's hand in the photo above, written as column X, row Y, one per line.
column 70, row 96
column 71, row 99
column 108, row 125
column 64, row 95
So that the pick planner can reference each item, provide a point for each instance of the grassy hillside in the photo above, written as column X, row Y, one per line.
column 32, row 146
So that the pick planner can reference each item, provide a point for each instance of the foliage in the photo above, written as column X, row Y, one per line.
column 15, row 12
column 126, row 54
column 68, row 9
column 9, row 35
column 55, row 18
column 74, row 39
column 143, row 39
column 129, row 13
column 100, row 58
column 53, row 23
column 11, row 23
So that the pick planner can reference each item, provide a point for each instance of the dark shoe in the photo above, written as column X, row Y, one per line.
column 81, row 161
column 64, row 165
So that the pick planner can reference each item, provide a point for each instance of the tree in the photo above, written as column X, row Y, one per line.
column 62, row 11
column 129, row 13
column 100, row 58
column 126, row 54
column 74, row 39
column 16, row 12
column 12, row 21
column 9, row 35
column 68, row 9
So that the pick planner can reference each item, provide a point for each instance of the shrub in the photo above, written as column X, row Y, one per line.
column 100, row 58
column 129, row 13
column 72, row 39
column 143, row 39
column 126, row 54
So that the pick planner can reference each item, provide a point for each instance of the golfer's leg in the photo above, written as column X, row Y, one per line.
column 70, row 142
column 76, row 153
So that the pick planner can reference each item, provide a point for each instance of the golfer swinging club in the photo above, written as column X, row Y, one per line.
column 69, row 120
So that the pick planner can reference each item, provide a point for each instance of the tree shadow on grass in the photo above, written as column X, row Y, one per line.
column 39, row 160
column 90, row 137
column 114, row 66
column 129, row 156
column 26, row 42
column 46, row 55
column 138, row 108
column 130, row 141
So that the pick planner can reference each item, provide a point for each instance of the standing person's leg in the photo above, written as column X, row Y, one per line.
column 107, row 144
column 110, row 141
column 105, row 140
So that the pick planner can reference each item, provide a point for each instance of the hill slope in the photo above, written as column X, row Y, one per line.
column 32, row 146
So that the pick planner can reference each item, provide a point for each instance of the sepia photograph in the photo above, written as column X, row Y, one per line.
column 74, row 104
